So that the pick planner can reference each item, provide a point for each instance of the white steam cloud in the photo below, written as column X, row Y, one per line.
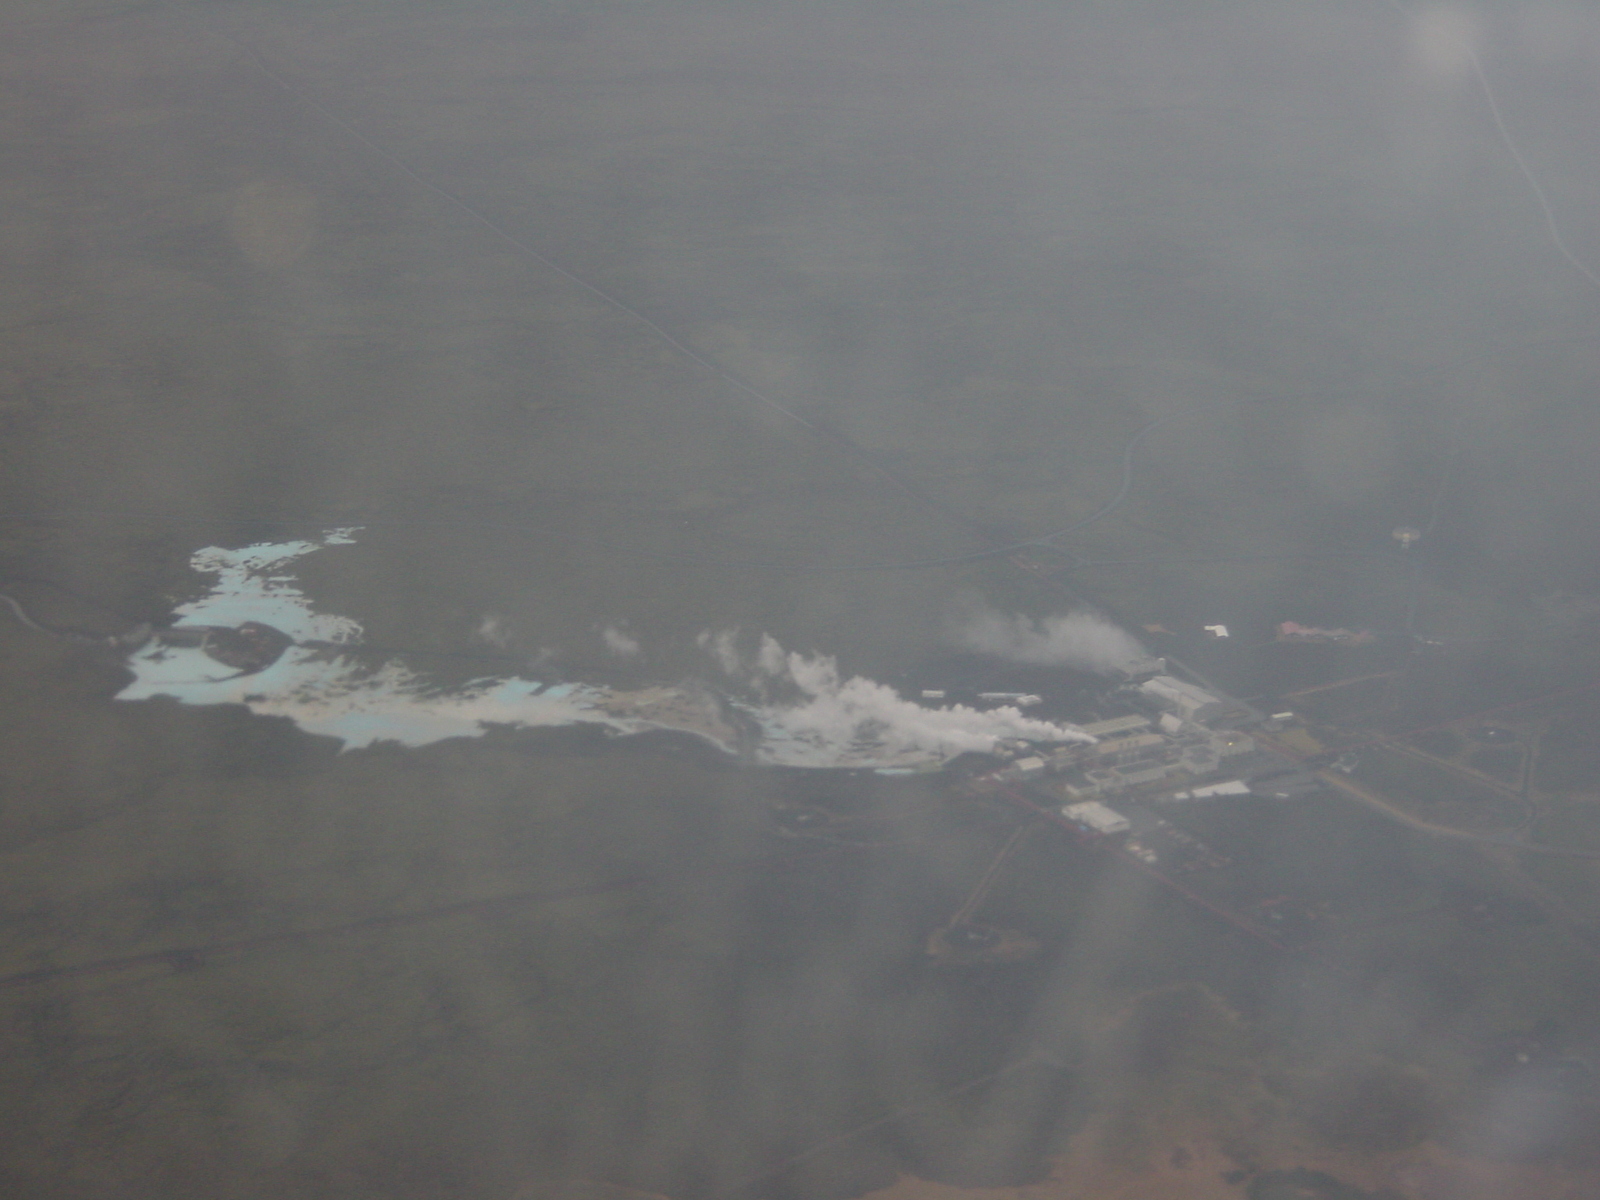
column 619, row 643
column 1076, row 639
column 810, row 716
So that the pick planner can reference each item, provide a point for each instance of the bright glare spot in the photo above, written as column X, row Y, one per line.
column 1444, row 40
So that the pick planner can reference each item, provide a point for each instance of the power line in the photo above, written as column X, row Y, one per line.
column 1552, row 229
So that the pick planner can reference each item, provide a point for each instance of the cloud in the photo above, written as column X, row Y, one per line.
column 620, row 643
column 825, row 719
column 723, row 647
column 1076, row 639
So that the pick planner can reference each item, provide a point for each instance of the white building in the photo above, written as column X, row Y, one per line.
column 1231, row 787
column 1184, row 699
column 1026, row 768
column 1096, row 816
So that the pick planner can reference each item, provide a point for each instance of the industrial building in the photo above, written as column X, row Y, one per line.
column 1228, row 787
column 1143, row 668
column 1093, row 815
column 1186, row 700
column 1184, row 752
column 1116, row 725
column 1126, row 749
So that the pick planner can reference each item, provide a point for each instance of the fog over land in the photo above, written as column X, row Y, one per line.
column 696, row 406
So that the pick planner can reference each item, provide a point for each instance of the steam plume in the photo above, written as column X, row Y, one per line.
column 826, row 719
column 1075, row 639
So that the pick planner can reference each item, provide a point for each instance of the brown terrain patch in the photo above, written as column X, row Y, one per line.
column 1198, row 1168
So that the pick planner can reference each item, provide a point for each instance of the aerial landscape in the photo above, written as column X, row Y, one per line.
column 723, row 600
